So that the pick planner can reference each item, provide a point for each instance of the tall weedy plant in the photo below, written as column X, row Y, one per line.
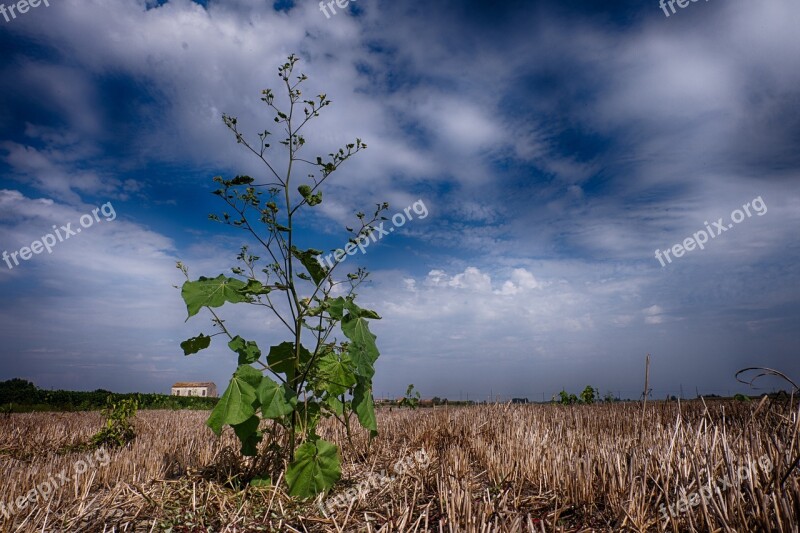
column 310, row 375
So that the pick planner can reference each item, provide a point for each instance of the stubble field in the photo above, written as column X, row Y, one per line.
column 714, row 466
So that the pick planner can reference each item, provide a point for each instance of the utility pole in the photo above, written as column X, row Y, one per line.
column 644, row 395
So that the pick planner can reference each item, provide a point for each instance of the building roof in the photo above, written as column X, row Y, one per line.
column 193, row 384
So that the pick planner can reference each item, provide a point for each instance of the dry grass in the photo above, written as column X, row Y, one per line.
column 493, row 468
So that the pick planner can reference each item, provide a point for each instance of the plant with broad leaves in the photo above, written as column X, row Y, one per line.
column 311, row 375
column 589, row 395
column 566, row 398
column 411, row 399
column 118, row 430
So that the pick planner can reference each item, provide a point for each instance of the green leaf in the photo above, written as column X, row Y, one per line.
column 364, row 407
column 276, row 400
column 248, row 350
column 207, row 292
column 362, row 349
column 315, row 469
column 281, row 359
column 239, row 402
column 309, row 260
column 195, row 344
column 255, row 288
column 336, row 307
column 358, row 312
column 249, row 435
column 335, row 405
column 337, row 374
column 362, row 359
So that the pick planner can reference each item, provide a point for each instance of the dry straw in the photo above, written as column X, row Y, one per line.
column 499, row 468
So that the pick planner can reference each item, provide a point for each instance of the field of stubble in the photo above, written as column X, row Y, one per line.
column 496, row 468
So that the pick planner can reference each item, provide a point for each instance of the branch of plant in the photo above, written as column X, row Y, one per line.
column 231, row 123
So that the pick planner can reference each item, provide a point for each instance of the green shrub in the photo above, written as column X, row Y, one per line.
column 411, row 399
column 589, row 395
column 118, row 430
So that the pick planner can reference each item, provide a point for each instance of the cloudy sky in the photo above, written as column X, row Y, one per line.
column 555, row 145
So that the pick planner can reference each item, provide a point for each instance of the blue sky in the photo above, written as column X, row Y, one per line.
column 556, row 146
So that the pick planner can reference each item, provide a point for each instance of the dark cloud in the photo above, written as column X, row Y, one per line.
column 556, row 144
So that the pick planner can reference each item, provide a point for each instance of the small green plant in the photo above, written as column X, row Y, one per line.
column 118, row 430
column 589, row 395
column 741, row 398
column 411, row 399
column 311, row 375
column 567, row 399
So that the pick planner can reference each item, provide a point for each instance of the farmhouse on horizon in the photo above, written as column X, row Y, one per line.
column 203, row 389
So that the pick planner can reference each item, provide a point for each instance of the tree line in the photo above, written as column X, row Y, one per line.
column 19, row 395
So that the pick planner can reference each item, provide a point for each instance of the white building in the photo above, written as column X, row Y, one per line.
column 204, row 389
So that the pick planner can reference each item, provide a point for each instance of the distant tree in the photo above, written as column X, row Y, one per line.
column 18, row 391
column 567, row 399
column 589, row 395
column 609, row 397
